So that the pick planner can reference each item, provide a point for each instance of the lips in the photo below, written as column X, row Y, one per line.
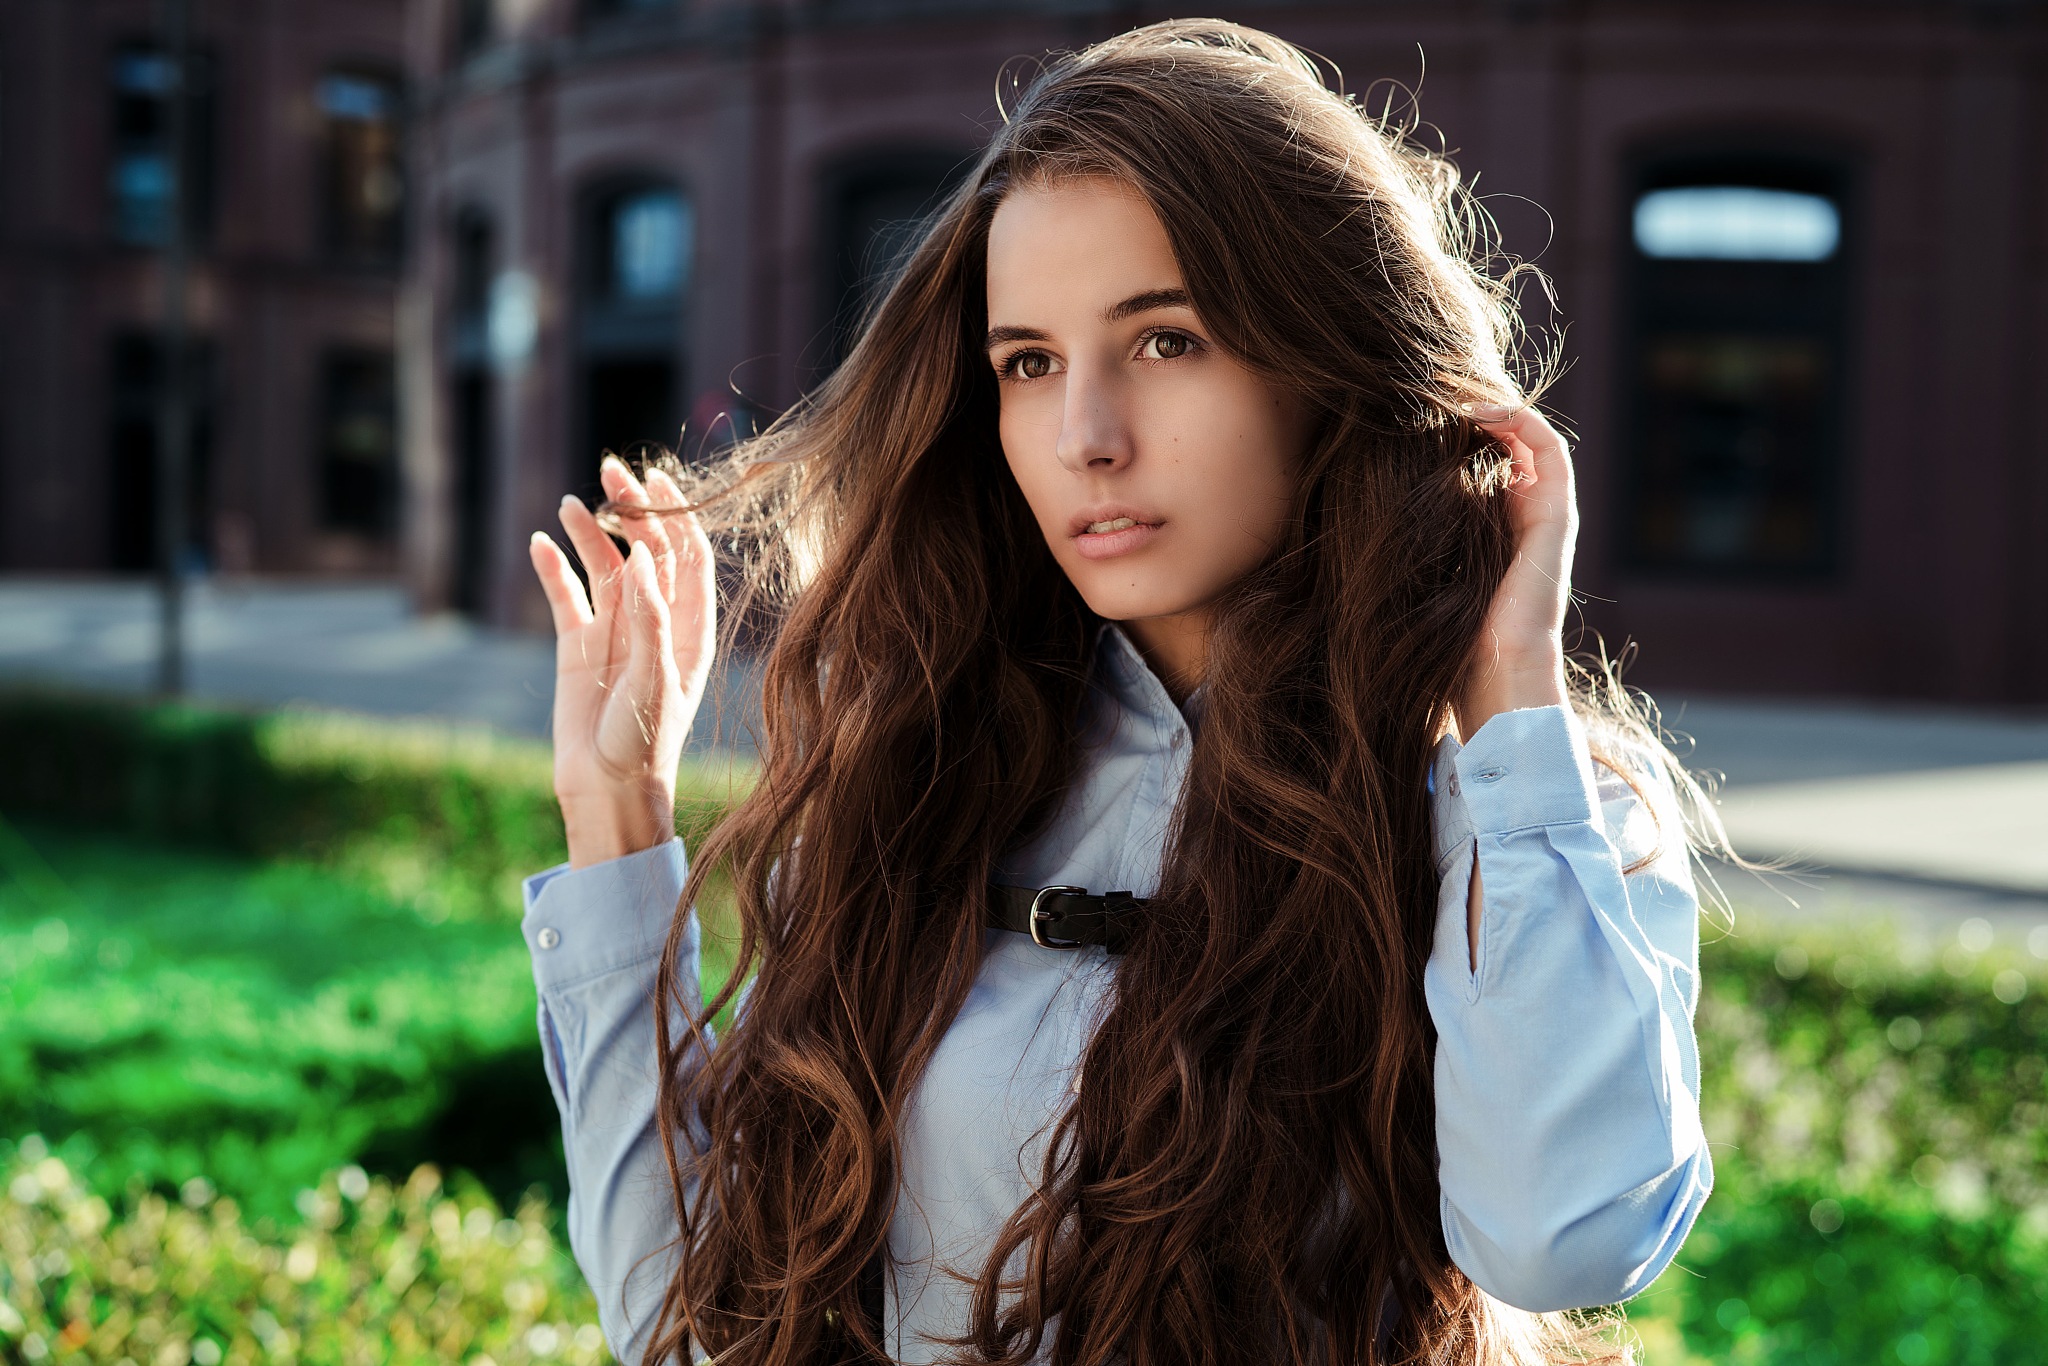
column 1106, row 531
column 1109, row 518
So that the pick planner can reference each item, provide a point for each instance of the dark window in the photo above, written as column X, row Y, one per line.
column 639, row 242
column 139, row 176
column 643, row 245
column 363, row 187
column 476, row 24
column 359, row 443
column 475, row 399
column 601, row 10
column 875, row 209
column 1735, row 367
column 135, row 392
column 472, row 400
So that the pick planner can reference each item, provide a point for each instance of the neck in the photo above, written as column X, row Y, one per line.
column 1176, row 648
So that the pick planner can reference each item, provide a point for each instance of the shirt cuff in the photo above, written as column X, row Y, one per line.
column 1524, row 769
column 585, row 922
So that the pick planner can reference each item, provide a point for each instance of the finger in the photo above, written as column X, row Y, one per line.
column 602, row 563
column 690, row 552
column 567, row 604
column 627, row 491
column 599, row 555
column 1547, row 453
column 695, row 604
column 648, row 609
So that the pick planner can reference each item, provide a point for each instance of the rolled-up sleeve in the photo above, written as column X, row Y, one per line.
column 1567, row 1076
column 596, row 936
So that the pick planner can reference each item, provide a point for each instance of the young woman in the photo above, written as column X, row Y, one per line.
column 1176, row 547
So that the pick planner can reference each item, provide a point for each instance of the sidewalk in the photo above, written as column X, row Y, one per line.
column 1941, row 812
column 1939, row 795
column 358, row 648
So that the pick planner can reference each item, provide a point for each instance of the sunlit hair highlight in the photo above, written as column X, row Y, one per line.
column 1248, row 1171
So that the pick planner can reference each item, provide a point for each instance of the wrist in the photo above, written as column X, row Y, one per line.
column 1512, row 682
column 602, row 828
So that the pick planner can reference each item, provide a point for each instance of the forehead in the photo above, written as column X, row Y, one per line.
column 1078, row 244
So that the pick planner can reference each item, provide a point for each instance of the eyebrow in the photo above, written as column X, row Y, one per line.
column 1144, row 302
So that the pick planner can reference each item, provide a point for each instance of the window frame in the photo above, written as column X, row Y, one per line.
column 200, row 203
column 382, row 527
column 1764, row 160
column 843, row 302
column 612, row 334
column 331, row 237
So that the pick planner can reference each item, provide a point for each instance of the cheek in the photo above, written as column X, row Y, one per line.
column 1030, row 460
column 1237, row 452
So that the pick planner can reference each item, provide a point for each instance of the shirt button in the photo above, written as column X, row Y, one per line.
column 548, row 937
column 1454, row 784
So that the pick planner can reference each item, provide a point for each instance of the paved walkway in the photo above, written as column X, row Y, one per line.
column 1935, row 794
column 276, row 644
column 1938, row 813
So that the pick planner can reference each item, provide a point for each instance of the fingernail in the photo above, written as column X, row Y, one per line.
column 568, row 498
column 1491, row 410
column 537, row 538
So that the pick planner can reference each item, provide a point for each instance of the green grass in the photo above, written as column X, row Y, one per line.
column 235, row 1031
column 444, row 818
column 170, row 1014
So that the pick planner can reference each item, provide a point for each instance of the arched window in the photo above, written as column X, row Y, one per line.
column 873, row 206
column 142, row 77
column 472, row 397
column 1734, row 365
column 639, row 238
column 362, row 183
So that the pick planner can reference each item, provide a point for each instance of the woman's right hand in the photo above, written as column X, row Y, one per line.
column 631, row 661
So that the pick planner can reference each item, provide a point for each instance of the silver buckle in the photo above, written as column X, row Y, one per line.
column 1041, row 916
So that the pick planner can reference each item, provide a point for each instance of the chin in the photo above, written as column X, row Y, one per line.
column 1127, row 601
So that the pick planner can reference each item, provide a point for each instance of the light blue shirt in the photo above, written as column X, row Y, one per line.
column 1567, row 1080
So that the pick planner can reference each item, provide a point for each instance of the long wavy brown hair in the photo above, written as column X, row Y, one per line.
column 1248, row 1171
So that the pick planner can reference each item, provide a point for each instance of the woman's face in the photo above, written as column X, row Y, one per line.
column 1159, row 468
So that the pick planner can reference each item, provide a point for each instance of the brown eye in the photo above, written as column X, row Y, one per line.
column 1034, row 365
column 1169, row 345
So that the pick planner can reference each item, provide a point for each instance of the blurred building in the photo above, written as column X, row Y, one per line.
column 1797, row 246
column 297, row 213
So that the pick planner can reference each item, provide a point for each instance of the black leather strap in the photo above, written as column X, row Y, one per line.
column 1065, row 917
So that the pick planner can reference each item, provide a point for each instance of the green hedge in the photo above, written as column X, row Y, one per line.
column 1876, row 1111
column 447, row 817
column 402, row 1273
column 169, row 1012
column 1877, row 1108
column 1798, row 1272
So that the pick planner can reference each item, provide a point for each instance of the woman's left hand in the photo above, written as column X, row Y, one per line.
column 1518, row 660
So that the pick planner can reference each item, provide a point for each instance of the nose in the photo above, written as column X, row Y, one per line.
column 1095, row 432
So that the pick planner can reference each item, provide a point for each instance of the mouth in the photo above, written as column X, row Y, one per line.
column 1099, row 537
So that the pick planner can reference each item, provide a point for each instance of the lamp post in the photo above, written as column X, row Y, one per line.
column 174, row 409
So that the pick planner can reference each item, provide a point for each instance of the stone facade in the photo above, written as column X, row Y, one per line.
column 299, row 218
column 1810, row 473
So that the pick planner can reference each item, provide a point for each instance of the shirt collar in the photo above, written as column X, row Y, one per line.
column 1136, row 688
